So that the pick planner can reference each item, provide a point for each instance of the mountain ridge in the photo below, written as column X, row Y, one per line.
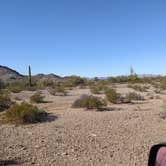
column 8, row 74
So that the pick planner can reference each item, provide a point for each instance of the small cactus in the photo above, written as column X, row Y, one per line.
column 29, row 76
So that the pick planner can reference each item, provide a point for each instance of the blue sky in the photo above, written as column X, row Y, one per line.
column 83, row 37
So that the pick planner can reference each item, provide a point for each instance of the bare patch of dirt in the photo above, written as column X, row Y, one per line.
column 121, row 137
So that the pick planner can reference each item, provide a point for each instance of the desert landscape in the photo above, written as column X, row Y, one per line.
column 111, row 121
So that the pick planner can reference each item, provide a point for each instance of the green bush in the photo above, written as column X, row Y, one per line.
column 74, row 81
column 119, row 79
column 24, row 113
column 16, row 87
column 37, row 98
column 112, row 95
column 97, row 88
column 89, row 102
column 5, row 101
column 133, row 78
column 46, row 83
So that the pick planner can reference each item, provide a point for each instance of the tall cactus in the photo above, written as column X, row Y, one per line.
column 29, row 76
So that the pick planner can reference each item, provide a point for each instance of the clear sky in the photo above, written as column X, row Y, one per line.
column 83, row 37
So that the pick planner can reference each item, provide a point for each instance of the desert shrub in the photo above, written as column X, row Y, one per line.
column 112, row 96
column 98, row 88
column 89, row 102
column 5, row 101
column 59, row 90
column 24, row 113
column 46, row 83
column 163, row 85
column 133, row 96
column 2, row 84
column 74, row 81
column 133, row 78
column 119, row 79
column 16, row 87
column 95, row 89
column 139, row 88
column 37, row 98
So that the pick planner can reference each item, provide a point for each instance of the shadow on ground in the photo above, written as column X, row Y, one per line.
column 9, row 162
column 51, row 117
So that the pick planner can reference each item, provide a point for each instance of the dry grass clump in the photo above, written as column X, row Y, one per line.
column 89, row 102
column 24, row 113
column 37, row 98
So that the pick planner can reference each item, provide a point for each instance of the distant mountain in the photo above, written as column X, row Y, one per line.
column 7, row 74
column 148, row 75
column 46, row 77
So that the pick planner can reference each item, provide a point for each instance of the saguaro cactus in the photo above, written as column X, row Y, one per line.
column 131, row 71
column 133, row 75
column 29, row 75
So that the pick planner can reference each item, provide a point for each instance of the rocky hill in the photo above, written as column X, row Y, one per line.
column 7, row 74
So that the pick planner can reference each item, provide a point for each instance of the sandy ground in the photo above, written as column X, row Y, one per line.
column 75, row 137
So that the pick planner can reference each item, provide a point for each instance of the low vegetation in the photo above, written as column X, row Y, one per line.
column 97, row 88
column 132, row 96
column 58, row 91
column 24, row 113
column 5, row 100
column 37, row 98
column 112, row 96
column 89, row 102
column 116, row 98
column 139, row 88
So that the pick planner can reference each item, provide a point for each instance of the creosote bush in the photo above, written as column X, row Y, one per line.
column 37, row 98
column 115, row 98
column 89, row 102
column 112, row 96
column 24, row 113
column 96, row 89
